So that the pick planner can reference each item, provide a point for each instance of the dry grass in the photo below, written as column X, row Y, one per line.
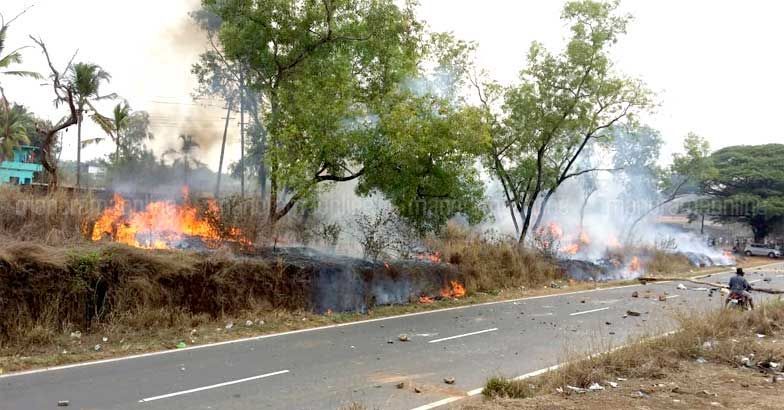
column 489, row 264
column 53, row 219
column 720, row 337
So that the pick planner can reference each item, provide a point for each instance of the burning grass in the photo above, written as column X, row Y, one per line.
column 721, row 337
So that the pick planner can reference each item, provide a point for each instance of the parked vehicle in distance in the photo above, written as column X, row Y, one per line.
column 757, row 249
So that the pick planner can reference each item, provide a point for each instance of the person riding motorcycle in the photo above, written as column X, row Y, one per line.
column 740, row 288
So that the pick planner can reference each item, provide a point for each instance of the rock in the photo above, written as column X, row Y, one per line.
column 63, row 403
column 632, row 313
column 400, row 385
column 403, row 337
column 248, row 323
column 595, row 387
column 417, row 390
column 635, row 294
column 449, row 380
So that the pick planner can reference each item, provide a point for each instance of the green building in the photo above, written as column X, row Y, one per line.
column 22, row 167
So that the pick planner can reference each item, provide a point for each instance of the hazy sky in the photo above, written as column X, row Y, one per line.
column 715, row 65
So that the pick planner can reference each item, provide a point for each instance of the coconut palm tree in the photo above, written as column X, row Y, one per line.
column 14, row 125
column 115, row 127
column 86, row 79
column 185, row 155
column 10, row 59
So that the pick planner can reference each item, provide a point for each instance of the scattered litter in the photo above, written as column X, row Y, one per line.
column 745, row 361
column 640, row 394
column 182, row 368
column 554, row 285
column 559, row 390
column 76, row 335
column 577, row 390
column 760, row 335
column 724, row 291
column 248, row 323
column 635, row 294
column 449, row 380
column 403, row 337
column 229, row 325
column 595, row 387
column 701, row 360
column 632, row 313
column 710, row 344
column 769, row 365
column 716, row 404
column 400, row 385
column 621, row 379
column 97, row 348
column 417, row 390
column 63, row 403
column 105, row 339
column 700, row 289
column 260, row 322
column 181, row 345
column 614, row 385
column 390, row 342
column 662, row 298
column 681, row 286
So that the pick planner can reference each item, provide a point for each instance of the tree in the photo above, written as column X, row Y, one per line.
column 86, row 79
column 331, row 74
column 563, row 102
column 682, row 177
column 15, row 124
column 7, row 60
column 185, row 155
column 636, row 154
column 115, row 126
column 64, row 94
column 747, row 186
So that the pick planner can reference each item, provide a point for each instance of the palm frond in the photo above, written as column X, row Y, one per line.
column 91, row 141
column 106, row 123
column 26, row 74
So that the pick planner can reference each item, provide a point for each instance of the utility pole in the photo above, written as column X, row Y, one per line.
column 242, row 131
column 223, row 147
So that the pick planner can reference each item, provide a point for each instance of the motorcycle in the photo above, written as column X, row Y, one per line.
column 737, row 301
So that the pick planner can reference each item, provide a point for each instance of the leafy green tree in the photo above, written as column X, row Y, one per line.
column 333, row 76
column 747, row 186
column 86, row 79
column 563, row 103
column 15, row 125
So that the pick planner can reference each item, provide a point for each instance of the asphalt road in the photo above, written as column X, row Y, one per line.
column 331, row 367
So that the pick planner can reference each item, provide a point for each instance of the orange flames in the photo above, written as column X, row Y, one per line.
column 161, row 224
column 635, row 265
column 434, row 257
column 454, row 290
column 426, row 300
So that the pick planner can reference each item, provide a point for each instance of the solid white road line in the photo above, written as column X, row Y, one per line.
column 463, row 335
column 755, row 281
column 588, row 311
column 338, row 325
column 534, row 373
column 672, row 296
column 214, row 386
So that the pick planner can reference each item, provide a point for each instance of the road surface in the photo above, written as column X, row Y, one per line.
column 328, row 368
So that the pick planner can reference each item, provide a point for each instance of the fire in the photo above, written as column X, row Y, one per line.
column 161, row 224
column 426, row 300
column 555, row 230
column 454, row 290
column 572, row 249
column 584, row 238
column 635, row 265
column 613, row 242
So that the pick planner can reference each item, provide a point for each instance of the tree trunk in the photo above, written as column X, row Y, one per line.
column 223, row 147
column 79, row 150
column 242, row 133
column 582, row 209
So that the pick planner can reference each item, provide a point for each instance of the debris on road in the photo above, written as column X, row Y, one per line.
column 662, row 298
column 632, row 313
column 595, row 387
column 614, row 385
column 63, row 403
column 449, row 380
column 400, row 385
column 701, row 360
column 181, row 345
column 681, row 286
column 417, row 390
column 635, row 294
column 403, row 337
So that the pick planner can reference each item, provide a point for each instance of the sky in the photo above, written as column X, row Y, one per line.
column 714, row 65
